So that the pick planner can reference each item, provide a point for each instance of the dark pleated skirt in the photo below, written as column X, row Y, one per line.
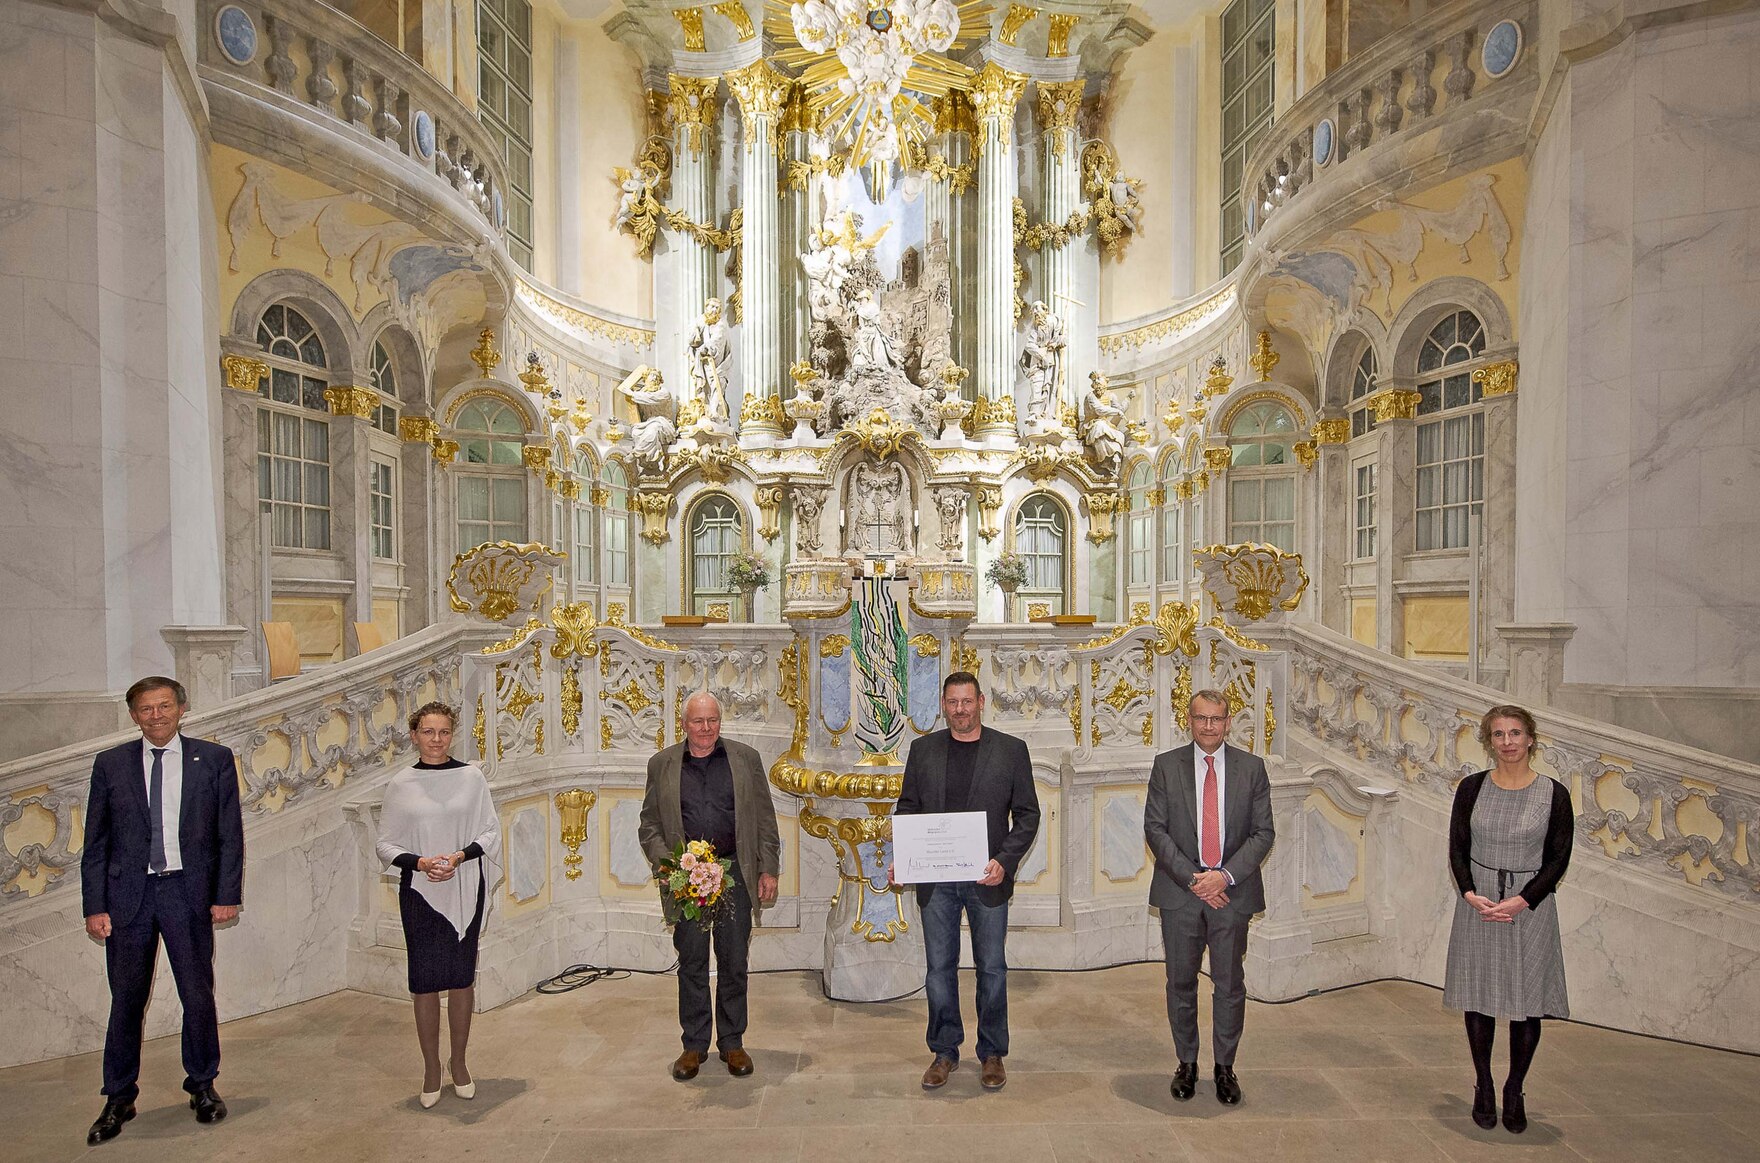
column 438, row 958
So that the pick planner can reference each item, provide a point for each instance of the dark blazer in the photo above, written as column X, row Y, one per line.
column 1561, row 826
column 210, row 830
column 1170, row 824
column 1002, row 788
column 759, row 846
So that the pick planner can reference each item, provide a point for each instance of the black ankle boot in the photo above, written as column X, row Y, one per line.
column 1484, row 1107
column 1515, row 1115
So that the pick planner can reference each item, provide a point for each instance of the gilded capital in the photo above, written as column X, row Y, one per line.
column 445, row 450
column 996, row 92
column 417, row 429
column 242, row 372
column 762, row 91
column 1307, row 452
column 691, row 106
column 735, row 14
column 1057, row 35
column 1217, row 459
column 1059, row 105
column 1496, row 379
column 1013, row 21
column 690, row 21
column 345, row 400
column 1394, row 404
column 536, row 456
column 1334, row 431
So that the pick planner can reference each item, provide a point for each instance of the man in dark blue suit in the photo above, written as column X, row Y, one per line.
column 164, row 858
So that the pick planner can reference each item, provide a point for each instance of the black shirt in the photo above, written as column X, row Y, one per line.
column 705, row 798
column 962, row 763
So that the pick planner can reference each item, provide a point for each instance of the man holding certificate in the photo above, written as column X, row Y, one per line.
column 966, row 815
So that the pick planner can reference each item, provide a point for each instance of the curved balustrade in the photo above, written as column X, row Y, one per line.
column 330, row 76
column 1450, row 91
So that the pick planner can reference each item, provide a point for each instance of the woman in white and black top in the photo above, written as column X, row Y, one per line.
column 438, row 824
column 1509, row 843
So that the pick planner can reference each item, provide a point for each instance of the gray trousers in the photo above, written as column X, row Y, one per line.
column 1185, row 935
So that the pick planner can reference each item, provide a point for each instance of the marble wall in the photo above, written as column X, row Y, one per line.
column 1641, row 462
column 107, row 312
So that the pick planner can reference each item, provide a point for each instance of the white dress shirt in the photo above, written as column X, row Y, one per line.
column 1198, row 772
column 170, row 796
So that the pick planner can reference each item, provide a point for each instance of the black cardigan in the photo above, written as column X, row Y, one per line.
column 1556, row 857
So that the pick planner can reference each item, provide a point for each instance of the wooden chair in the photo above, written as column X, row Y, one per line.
column 367, row 636
column 282, row 650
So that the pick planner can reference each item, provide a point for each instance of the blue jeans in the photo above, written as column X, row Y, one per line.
column 989, row 925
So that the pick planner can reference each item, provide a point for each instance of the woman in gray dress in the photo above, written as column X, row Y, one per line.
column 1509, row 842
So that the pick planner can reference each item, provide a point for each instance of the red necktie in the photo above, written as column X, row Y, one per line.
column 1210, row 837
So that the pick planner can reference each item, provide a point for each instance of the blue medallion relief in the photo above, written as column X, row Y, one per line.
column 1502, row 49
column 423, row 127
column 236, row 34
column 1323, row 142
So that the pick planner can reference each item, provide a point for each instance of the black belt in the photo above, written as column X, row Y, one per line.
column 1505, row 876
column 162, row 875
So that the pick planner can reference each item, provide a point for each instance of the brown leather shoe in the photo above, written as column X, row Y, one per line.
column 739, row 1063
column 935, row 1077
column 994, row 1076
column 685, row 1068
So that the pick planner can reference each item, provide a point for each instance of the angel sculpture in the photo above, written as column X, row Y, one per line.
column 653, row 435
column 638, row 206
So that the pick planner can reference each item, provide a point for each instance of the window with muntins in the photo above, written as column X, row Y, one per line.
column 1261, row 476
column 1450, row 483
column 715, row 539
column 1041, row 537
column 1248, row 55
column 1363, row 385
column 293, row 431
column 504, row 106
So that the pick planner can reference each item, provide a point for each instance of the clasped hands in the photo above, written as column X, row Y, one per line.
column 1490, row 910
column 1211, row 887
column 440, row 868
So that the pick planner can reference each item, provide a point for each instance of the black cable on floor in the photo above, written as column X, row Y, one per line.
column 576, row 976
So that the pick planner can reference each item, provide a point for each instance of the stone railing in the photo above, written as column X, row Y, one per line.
column 1682, row 815
column 575, row 686
column 321, row 67
column 1463, row 71
column 296, row 741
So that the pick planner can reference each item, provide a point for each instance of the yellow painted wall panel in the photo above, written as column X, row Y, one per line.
column 1436, row 628
column 317, row 626
column 1363, row 612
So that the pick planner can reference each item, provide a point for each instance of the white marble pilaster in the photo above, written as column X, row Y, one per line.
column 1071, row 272
column 761, row 91
column 692, row 104
column 994, row 99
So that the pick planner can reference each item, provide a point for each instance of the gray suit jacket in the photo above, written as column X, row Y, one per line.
column 1170, row 824
column 754, row 818
column 1002, row 788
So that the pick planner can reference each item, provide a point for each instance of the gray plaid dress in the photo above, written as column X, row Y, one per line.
column 1511, row 971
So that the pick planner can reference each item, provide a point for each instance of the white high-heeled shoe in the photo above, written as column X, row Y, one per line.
column 429, row 1098
column 465, row 1089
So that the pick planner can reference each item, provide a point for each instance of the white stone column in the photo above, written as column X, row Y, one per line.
column 1066, row 274
column 761, row 91
column 994, row 98
column 691, row 107
column 1396, row 523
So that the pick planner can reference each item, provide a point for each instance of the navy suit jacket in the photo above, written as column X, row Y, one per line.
column 113, row 866
column 1002, row 788
column 1170, row 825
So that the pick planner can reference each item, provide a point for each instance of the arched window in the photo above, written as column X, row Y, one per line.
column 715, row 538
column 617, row 519
column 384, row 378
column 1451, row 432
column 1172, row 523
column 1363, row 385
column 293, row 431
column 491, row 499
column 1261, row 476
column 586, row 524
column 1140, row 529
column 1041, row 537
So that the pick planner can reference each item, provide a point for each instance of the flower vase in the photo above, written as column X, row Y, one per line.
column 748, row 599
column 1008, row 589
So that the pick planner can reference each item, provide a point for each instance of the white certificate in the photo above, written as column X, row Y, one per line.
column 940, row 846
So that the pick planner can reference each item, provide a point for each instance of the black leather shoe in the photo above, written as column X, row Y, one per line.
column 1185, row 1080
column 208, row 1105
column 1484, row 1107
column 1515, row 1114
column 116, row 1112
column 1228, row 1088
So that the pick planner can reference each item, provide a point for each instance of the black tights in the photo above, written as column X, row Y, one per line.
column 1524, row 1039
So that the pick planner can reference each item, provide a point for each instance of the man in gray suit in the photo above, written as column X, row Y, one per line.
column 710, row 788
column 1208, row 823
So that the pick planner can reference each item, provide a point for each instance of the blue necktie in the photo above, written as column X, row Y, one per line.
column 156, row 810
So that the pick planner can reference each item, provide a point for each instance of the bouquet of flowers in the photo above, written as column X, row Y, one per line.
column 749, row 571
column 696, row 879
column 1007, row 572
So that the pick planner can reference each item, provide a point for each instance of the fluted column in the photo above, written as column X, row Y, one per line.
column 761, row 91
column 1064, row 294
column 951, row 203
column 691, row 106
column 993, row 99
